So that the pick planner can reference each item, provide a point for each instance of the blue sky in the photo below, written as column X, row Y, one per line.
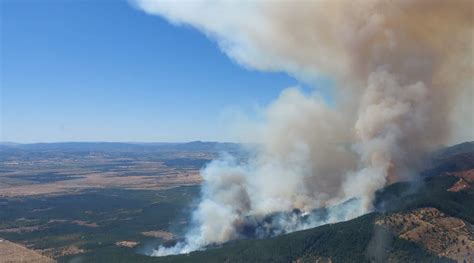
column 105, row 71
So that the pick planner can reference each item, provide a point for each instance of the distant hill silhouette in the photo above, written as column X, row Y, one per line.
column 122, row 147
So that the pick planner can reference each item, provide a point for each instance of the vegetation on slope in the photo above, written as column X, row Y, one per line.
column 360, row 240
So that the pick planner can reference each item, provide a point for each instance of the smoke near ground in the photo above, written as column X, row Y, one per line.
column 399, row 69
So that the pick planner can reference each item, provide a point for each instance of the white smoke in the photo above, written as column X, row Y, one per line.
column 399, row 67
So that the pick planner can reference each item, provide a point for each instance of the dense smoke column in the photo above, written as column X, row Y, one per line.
column 404, row 109
column 399, row 67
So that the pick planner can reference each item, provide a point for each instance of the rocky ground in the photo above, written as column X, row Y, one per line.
column 440, row 234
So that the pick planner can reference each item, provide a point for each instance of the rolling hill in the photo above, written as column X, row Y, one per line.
column 422, row 221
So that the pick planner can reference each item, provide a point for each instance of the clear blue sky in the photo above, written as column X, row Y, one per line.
column 105, row 71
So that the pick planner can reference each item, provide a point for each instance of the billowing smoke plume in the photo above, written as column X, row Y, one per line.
column 398, row 67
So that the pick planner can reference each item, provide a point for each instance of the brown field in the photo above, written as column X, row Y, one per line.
column 14, row 253
column 75, row 173
column 126, row 243
column 466, row 180
column 159, row 234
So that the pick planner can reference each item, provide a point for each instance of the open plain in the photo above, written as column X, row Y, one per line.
column 72, row 201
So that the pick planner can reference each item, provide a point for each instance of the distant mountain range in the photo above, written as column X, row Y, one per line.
column 197, row 146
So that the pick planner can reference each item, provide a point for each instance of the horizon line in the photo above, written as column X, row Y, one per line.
column 124, row 142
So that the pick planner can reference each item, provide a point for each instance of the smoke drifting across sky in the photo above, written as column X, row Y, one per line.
column 400, row 68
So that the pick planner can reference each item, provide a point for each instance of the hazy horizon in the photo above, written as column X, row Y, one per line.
column 130, row 142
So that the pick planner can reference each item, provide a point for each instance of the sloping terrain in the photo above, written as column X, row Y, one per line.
column 422, row 221
column 14, row 253
column 352, row 241
column 466, row 180
column 440, row 234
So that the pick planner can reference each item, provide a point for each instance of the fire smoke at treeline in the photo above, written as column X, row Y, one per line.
column 402, row 70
